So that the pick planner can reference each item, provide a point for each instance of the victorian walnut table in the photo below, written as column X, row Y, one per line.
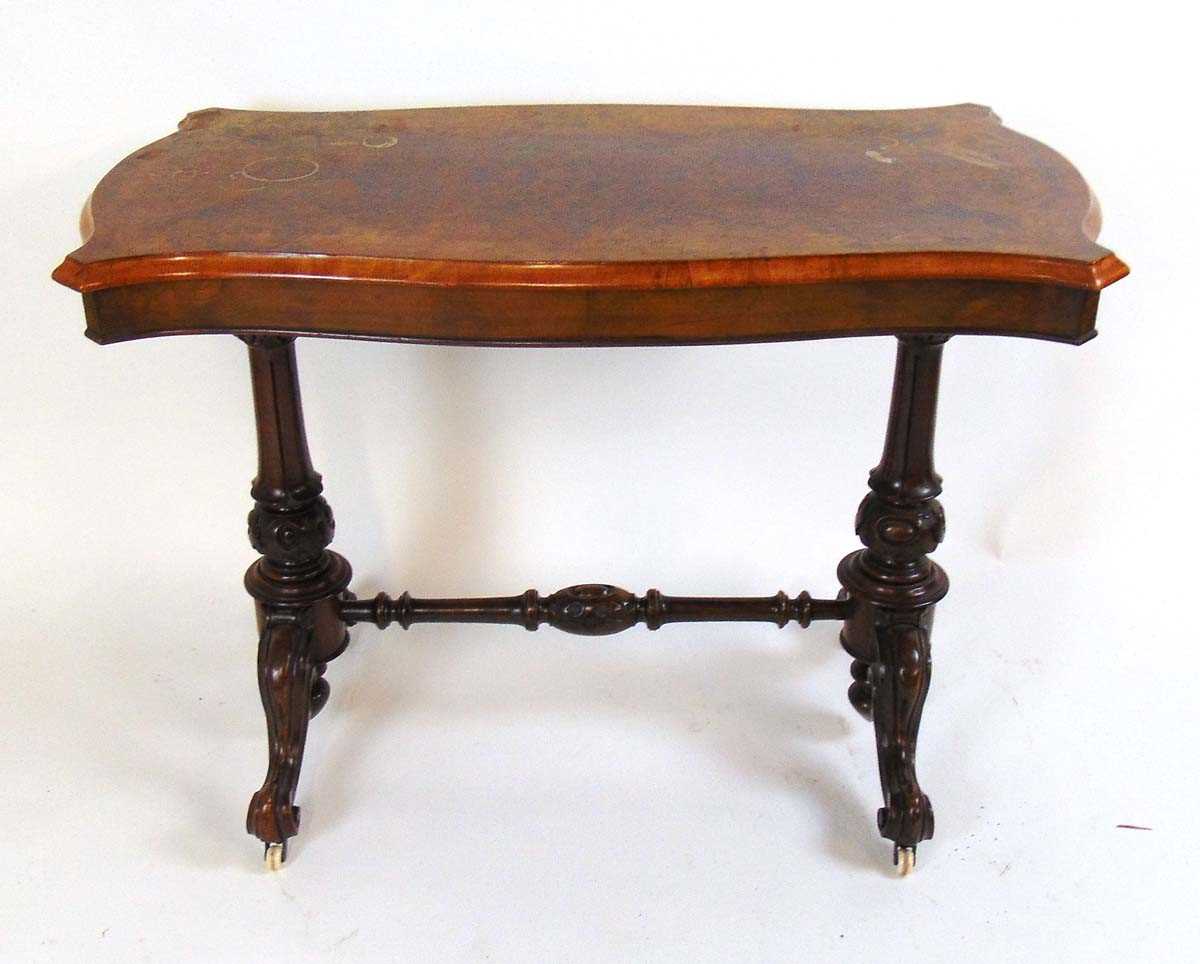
column 594, row 225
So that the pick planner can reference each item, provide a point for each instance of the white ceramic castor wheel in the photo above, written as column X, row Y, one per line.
column 906, row 860
column 274, row 854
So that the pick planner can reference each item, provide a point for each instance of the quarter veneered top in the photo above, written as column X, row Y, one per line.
column 596, row 197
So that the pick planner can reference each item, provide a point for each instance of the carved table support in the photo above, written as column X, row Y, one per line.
column 296, row 585
column 893, row 586
column 594, row 610
column 889, row 591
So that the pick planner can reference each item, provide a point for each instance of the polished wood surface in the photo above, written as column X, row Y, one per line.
column 592, row 225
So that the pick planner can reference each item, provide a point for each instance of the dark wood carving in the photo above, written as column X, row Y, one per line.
column 296, row 585
column 593, row 610
column 899, row 682
column 894, row 586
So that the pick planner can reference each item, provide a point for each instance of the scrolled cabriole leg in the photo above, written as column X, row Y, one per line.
column 297, row 584
column 899, row 682
column 286, row 677
column 893, row 587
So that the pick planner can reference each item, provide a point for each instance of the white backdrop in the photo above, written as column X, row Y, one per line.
column 702, row 793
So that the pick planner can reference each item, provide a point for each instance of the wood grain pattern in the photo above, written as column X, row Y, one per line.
column 434, row 225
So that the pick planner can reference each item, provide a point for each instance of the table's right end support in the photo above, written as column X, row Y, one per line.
column 893, row 587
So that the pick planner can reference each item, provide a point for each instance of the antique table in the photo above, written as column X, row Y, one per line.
column 594, row 225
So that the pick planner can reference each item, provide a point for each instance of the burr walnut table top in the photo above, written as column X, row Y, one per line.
column 592, row 225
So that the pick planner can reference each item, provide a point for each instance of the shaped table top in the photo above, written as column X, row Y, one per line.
column 593, row 224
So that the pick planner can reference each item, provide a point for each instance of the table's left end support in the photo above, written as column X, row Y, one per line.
column 297, row 585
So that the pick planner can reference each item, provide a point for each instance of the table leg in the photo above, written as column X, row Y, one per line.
column 893, row 586
column 296, row 585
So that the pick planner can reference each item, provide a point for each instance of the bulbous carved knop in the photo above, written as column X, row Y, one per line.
column 592, row 610
column 899, row 533
column 291, row 537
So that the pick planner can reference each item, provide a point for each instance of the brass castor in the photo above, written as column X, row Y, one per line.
column 905, row 860
column 274, row 855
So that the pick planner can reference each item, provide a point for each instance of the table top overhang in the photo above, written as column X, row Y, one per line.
column 576, row 202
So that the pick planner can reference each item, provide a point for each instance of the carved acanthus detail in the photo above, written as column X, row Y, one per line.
column 287, row 679
column 899, row 683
